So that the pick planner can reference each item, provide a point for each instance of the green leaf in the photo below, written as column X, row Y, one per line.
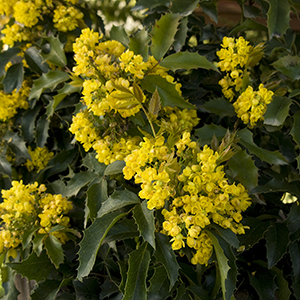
column 34, row 267
column 54, row 250
column 139, row 43
column 117, row 200
column 221, row 107
column 249, row 24
column 277, row 239
column 96, row 194
column 135, row 287
column 125, row 229
column 37, row 243
column 27, row 236
column 278, row 17
column 263, row 282
column 114, row 168
column 93, row 164
column 294, row 250
column 289, row 66
column 78, row 181
column 56, row 55
column 163, row 34
column 144, row 218
column 210, row 9
column 207, row 132
column 222, row 261
column 89, row 288
column 242, row 169
column 184, row 8
column 46, row 290
column 119, row 34
column 154, row 105
column 5, row 166
column 165, row 255
column 228, row 235
column 272, row 157
column 143, row 4
column 28, row 123
column 166, row 90
column 283, row 292
column 277, row 111
column 66, row 90
column 295, row 131
column 47, row 81
column 35, row 61
column 13, row 78
column 13, row 292
column 42, row 129
column 181, row 34
column 159, row 285
column 92, row 240
column 187, row 60
column 7, row 56
column 256, row 231
column 17, row 144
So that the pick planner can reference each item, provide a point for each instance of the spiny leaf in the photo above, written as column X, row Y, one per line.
column 278, row 17
column 35, row 61
column 207, row 132
column 272, row 157
column 242, row 168
column 184, row 8
column 7, row 56
column 181, row 34
column 115, row 167
column 283, row 292
column 56, row 55
column 119, row 34
column 144, row 218
column 221, row 107
column 163, row 33
column 28, row 123
column 165, row 255
column 277, row 239
column 42, row 129
column 54, row 250
column 139, row 43
column 166, row 90
column 295, row 131
column 92, row 240
column 294, row 249
column 289, row 66
column 159, row 284
column 144, row 4
column 117, row 200
column 17, row 144
column 14, row 78
column 5, row 167
column 154, row 105
column 135, row 287
column 187, row 60
column 138, row 92
column 47, row 81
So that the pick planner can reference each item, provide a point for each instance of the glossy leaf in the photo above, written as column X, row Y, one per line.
column 294, row 249
column 135, row 287
column 6, row 56
column 272, row 157
column 278, row 17
column 283, row 292
column 166, row 256
column 143, row 4
column 277, row 111
column 116, row 200
column 163, row 34
column 181, row 34
column 276, row 242
column 166, row 90
column 144, row 218
column 125, row 229
column 56, row 55
column 114, row 168
column 42, row 129
column 47, row 81
column 54, row 250
column 295, row 131
column 221, row 107
column 139, row 43
column 5, row 166
column 184, row 8
column 225, row 234
column 17, row 144
column 92, row 240
column 35, row 61
column 34, row 267
column 242, row 169
column 207, row 132
column 89, row 288
column 28, row 123
column 119, row 34
column 210, row 9
column 14, row 78
column 93, row 164
column 159, row 285
column 46, row 290
column 289, row 66
column 187, row 60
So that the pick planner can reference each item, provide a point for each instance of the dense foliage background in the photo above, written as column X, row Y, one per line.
column 109, row 244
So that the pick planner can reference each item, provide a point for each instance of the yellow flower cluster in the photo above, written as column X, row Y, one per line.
column 24, row 206
column 234, row 57
column 10, row 103
column 251, row 105
column 28, row 13
column 39, row 158
column 198, row 195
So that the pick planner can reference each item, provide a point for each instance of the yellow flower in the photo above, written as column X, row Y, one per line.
column 39, row 158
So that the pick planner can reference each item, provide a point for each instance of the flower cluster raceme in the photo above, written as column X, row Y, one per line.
column 10, row 103
column 39, row 158
column 193, row 187
column 24, row 206
column 29, row 17
column 235, row 56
